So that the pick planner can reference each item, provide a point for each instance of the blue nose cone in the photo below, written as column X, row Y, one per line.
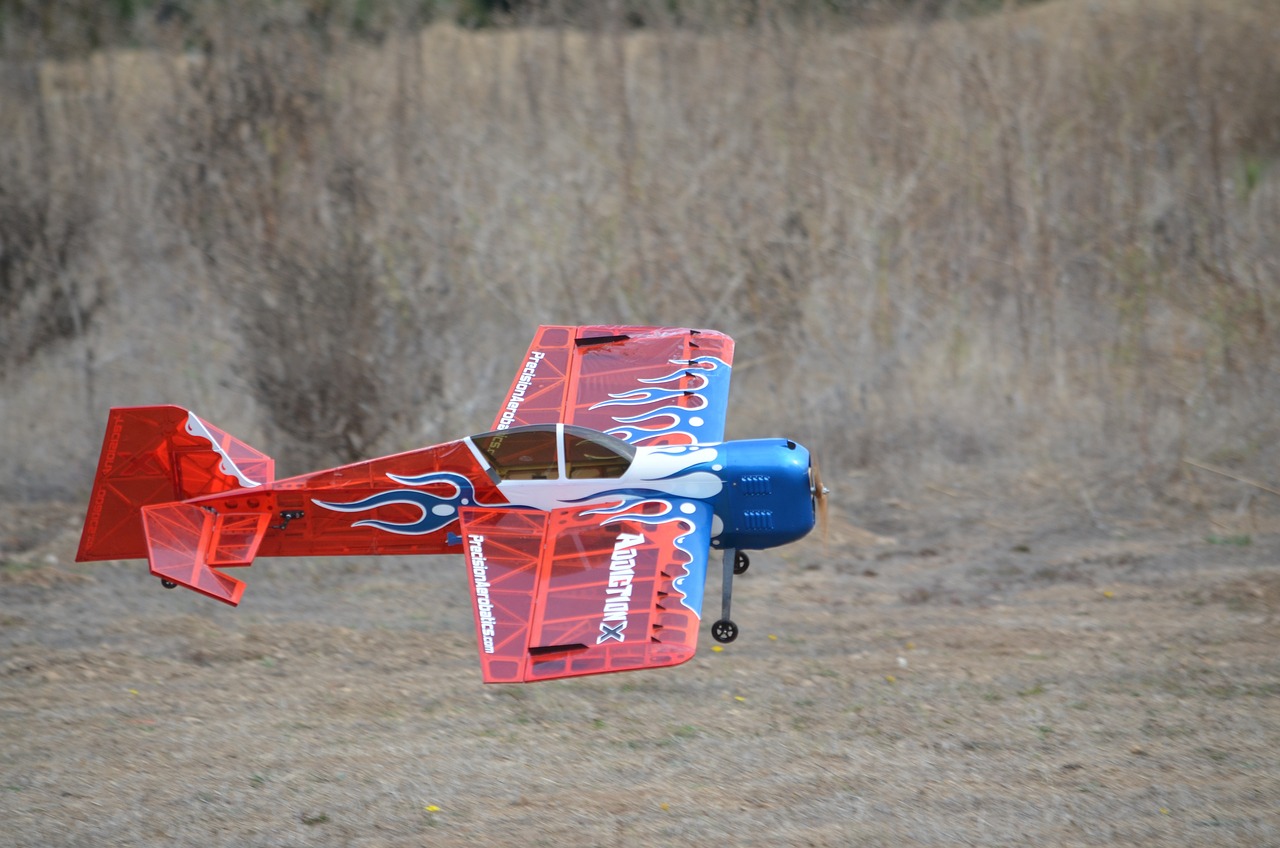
column 767, row 498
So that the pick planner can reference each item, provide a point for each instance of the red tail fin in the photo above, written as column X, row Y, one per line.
column 154, row 455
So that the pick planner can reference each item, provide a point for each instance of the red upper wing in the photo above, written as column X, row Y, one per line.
column 645, row 385
column 585, row 591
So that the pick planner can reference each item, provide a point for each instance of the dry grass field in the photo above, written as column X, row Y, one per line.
column 990, row 667
column 1008, row 277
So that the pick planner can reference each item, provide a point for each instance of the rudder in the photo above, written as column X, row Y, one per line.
column 159, row 454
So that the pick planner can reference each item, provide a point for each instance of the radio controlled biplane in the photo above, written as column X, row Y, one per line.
column 586, row 516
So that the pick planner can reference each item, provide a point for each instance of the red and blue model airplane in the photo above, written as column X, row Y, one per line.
column 587, row 515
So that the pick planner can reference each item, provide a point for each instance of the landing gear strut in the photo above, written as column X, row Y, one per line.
column 735, row 562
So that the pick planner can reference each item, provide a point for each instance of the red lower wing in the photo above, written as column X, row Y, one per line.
column 585, row 591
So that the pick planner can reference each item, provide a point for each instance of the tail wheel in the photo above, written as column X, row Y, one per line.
column 741, row 562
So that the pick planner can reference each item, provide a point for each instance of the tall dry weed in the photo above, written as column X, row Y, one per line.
column 1043, row 236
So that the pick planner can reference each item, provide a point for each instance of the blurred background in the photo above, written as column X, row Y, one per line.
column 949, row 236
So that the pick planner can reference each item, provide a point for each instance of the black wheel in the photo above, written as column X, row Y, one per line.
column 724, row 630
column 741, row 562
column 168, row 584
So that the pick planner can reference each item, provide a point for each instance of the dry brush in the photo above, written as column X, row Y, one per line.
column 1043, row 236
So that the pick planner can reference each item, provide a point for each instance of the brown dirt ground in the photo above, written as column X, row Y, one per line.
column 1017, row 668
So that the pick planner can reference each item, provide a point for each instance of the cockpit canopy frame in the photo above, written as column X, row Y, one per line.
column 551, row 452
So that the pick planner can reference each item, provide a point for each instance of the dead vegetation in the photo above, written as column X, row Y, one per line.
column 1051, row 683
column 1040, row 236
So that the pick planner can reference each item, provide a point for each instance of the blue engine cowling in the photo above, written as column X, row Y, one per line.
column 767, row 499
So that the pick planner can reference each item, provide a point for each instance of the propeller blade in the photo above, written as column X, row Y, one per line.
column 820, row 493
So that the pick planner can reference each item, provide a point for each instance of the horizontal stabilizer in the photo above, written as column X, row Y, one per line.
column 186, row 542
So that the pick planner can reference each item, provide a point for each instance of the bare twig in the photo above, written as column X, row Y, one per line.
column 1093, row 513
column 1254, row 483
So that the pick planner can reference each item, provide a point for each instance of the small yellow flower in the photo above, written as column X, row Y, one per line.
column 716, row 649
column 664, row 806
column 133, row 691
column 739, row 698
column 772, row 638
column 431, row 808
column 889, row 678
column 1107, row 593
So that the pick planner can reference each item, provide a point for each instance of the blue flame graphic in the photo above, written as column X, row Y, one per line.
column 712, row 392
column 437, row 511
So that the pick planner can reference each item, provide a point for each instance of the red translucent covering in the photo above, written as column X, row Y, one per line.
column 602, row 376
column 158, row 454
column 584, row 590
column 563, row 593
column 185, row 542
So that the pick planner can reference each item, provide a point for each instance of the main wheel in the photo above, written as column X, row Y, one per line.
column 741, row 562
column 724, row 630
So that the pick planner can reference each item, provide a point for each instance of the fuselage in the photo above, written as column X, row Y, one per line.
column 759, row 490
